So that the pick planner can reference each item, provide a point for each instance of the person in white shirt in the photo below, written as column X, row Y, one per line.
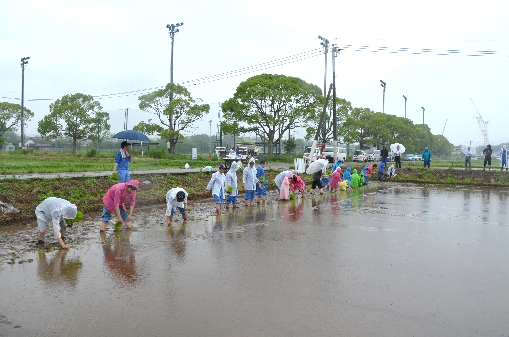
column 231, row 185
column 176, row 198
column 468, row 158
column 397, row 157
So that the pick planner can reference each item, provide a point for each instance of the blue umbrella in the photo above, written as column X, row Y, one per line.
column 132, row 135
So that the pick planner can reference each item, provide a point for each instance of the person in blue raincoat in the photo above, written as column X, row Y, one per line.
column 261, row 186
column 381, row 174
column 336, row 165
column 216, row 184
column 348, row 176
column 426, row 156
column 503, row 158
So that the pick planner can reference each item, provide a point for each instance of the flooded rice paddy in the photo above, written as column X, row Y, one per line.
column 388, row 260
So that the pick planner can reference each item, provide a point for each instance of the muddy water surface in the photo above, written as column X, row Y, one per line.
column 386, row 260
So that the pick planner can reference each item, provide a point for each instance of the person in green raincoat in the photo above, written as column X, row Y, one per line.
column 355, row 179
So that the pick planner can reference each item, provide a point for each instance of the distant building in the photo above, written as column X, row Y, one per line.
column 8, row 147
column 37, row 144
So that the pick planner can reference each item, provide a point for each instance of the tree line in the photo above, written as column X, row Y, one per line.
column 268, row 105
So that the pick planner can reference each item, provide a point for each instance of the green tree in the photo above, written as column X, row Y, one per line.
column 100, row 127
column 71, row 116
column 354, row 127
column 270, row 104
column 176, row 111
column 290, row 145
column 10, row 118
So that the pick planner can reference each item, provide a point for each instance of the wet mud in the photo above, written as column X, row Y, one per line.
column 386, row 260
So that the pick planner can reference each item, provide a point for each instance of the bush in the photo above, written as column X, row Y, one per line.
column 156, row 153
column 91, row 153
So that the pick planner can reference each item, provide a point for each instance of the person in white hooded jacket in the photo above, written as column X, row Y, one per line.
column 176, row 198
column 216, row 184
column 55, row 211
column 231, row 185
column 249, row 180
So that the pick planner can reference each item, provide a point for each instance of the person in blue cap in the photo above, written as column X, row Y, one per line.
column 216, row 184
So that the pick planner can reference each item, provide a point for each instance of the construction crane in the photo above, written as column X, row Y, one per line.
column 483, row 125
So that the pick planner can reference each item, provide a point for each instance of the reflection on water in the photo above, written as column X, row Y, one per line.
column 119, row 256
column 56, row 268
column 387, row 255
column 178, row 240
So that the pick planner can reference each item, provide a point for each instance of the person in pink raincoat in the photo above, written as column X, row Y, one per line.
column 335, row 178
column 297, row 184
column 284, row 193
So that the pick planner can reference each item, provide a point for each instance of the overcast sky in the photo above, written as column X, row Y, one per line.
column 109, row 47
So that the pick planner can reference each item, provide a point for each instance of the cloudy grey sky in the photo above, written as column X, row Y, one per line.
column 118, row 50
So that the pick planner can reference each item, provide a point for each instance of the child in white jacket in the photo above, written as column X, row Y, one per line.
column 216, row 184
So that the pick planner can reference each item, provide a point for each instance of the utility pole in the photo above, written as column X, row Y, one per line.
column 24, row 62
column 325, row 45
column 422, row 115
column 405, row 104
column 382, row 83
column 335, row 50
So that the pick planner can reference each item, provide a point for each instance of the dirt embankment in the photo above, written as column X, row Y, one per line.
column 87, row 192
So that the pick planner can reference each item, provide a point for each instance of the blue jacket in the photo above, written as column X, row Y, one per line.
column 426, row 155
column 347, row 176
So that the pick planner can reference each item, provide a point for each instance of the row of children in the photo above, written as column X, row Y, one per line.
column 226, row 187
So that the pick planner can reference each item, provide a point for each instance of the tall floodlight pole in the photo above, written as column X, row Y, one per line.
column 325, row 45
column 335, row 50
column 126, row 116
column 210, row 136
column 173, row 30
column 422, row 115
column 24, row 62
column 382, row 83
column 405, row 104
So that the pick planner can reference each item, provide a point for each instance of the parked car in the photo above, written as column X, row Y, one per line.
column 359, row 156
column 410, row 157
column 417, row 157
column 370, row 157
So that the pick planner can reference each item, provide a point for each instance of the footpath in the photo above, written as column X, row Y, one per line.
column 26, row 176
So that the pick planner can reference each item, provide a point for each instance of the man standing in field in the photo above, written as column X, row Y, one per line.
column 122, row 160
